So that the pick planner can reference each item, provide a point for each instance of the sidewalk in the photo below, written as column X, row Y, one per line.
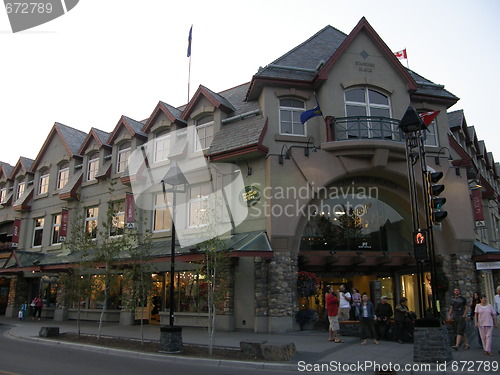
column 313, row 347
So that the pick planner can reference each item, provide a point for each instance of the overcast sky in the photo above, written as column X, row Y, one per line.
column 104, row 59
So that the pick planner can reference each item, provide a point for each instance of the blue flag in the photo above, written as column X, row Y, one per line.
column 304, row 116
column 190, row 37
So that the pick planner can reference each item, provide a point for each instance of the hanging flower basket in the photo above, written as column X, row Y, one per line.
column 307, row 284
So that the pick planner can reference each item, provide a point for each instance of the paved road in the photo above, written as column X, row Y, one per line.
column 21, row 357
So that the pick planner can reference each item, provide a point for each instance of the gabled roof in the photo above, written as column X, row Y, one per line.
column 5, row 169
column 216, row 100
column 173, row 114
column 23, row 165
column 132, row 126
column 428, row 88
column 71, row 138
column 99, row 136
column 456, row 118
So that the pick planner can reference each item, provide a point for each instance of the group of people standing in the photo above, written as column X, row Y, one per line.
column 341, row 305
column 483, row 315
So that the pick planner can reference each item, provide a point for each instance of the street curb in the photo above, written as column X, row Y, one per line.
column 153, row 356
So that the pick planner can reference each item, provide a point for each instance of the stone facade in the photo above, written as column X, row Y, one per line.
column 282, row 285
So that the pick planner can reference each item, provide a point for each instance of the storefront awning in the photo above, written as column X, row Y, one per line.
column 482, row 252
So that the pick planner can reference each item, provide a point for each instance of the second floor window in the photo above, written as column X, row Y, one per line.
column 91, row 220
column 20, row 189
column 204, row 132
column 290, row 110
column 117, row 227
column 56, row 229
column 430, row 135
column 92, row 167
column 44, row 184
column 162, row 220
column 63, row 175
column 38, row 232
column 198, row 205
column 123, row 154
column 3, row 194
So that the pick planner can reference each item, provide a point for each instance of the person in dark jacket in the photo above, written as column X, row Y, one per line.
column 383, row 312
column 404, row 321
column 366, row 316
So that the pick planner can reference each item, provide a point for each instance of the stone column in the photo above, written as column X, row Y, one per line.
column 170, row 339
column 261, row 295
column 431, row 345
column 18, row 294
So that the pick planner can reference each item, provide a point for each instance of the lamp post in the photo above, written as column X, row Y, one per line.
column 171, row 337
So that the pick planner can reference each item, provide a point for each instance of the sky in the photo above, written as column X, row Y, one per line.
column 104, row 59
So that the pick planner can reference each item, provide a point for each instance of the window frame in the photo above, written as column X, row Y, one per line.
column 123, row 149
column 20, row 189
column 38, row 229
column 62, row 175
column 93, row 161
column 56, row 229
column 431, row 131
column 162, row 138
column 43, row 183
column 197, row 201
column 293, row 110
column 202, row 124
column 162, row 207
column 3, row 194
column 91, row 221
column 117, row 219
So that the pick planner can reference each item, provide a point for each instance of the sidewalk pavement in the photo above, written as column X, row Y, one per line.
column 313, row 347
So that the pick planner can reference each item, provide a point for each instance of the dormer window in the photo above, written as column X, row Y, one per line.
column 63, row 175
column 123, row 154
column 204, row 132
column 3, row 194
column 21, row 186
column 92, row 166
column 162, row 146
column 290, row 110
column 43, row 186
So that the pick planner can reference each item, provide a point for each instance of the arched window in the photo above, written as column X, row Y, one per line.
column 290, row 110
column 372, row 110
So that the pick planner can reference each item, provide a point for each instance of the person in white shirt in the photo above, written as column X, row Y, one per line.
column 344, row 304
column 496, row 304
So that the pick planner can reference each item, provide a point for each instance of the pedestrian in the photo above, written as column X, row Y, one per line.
column 457, row 313
column 356, row 302
column 497, row 304
column 484, row 319
column 332, row 307
column 366, row 317
column 344, row 304
column 23, row 311
column 404, row 321
column 383, row 312
column 476, row 299
column 37, row 304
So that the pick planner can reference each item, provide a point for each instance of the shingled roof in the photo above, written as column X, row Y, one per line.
column 456, row 118
column 73, row 137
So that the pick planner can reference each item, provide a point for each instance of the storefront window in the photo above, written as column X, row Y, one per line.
column 357, row 223
column 190, row 292
column 49, row 290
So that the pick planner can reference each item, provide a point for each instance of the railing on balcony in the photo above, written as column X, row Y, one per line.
column 364, row 127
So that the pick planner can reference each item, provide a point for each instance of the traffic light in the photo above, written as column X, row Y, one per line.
column 420, row 244
column 436, row 202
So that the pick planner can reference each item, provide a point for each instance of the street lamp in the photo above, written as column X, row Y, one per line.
column 173, row 342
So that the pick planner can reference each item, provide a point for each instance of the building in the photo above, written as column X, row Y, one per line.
column 329, row 196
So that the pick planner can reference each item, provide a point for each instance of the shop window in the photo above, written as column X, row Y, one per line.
column 97, row 298
column 49, row 285
column 290, row 110
column 190, row 292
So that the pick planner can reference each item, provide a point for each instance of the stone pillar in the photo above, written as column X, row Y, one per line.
column 282, row 291
column 261, row 274
column 18, row 294
column 170, row 339
column 431, row 345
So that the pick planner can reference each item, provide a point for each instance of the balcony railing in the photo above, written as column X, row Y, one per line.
column 364, row 127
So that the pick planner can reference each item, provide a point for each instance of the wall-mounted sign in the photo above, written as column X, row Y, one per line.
column 250, row 195
column 487, row 265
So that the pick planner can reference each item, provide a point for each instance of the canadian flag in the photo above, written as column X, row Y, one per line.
column 428, row 117
column 401, row 54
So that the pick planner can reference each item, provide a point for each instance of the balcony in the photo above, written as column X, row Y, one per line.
column 363, row 127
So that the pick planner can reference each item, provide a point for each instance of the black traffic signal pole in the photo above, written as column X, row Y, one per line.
column 428, row 201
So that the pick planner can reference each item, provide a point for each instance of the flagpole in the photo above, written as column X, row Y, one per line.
column 190, row 37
